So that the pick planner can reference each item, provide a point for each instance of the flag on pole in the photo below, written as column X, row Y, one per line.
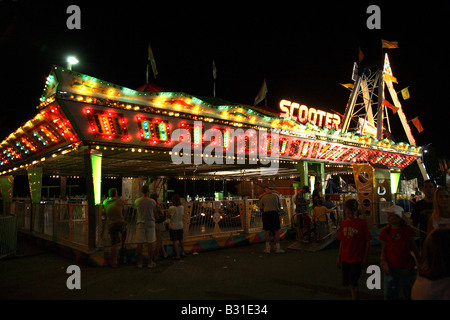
column 151, row 60
column 417, row 124
column 389, row 44
column 405, row 93
column 388, row 77
column 390, row 106
column 214, row 70
column 262, row 93
column 361, row 56
column 347, row 85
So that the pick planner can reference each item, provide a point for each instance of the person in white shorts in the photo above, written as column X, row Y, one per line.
column 145, row 226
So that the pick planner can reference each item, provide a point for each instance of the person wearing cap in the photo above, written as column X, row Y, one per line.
column 397, row 242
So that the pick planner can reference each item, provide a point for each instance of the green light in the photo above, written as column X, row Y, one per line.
column 162, row 131
column 97, row 176
column 395, row 179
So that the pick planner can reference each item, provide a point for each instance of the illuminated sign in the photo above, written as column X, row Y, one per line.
column 303, row 114
column 153, row 130
column 107, row 124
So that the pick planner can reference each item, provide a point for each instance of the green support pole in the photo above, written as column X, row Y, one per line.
column 322, row 176
column 302, row 168
column 91, row 163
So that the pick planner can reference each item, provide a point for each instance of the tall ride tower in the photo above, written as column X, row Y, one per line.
column 366, row 111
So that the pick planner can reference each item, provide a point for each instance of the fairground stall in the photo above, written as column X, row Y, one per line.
column 92, row 129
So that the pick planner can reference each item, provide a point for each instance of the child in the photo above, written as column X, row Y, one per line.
column 320, row 219
column 397, row 242
column 354, row 247
column 176, row 226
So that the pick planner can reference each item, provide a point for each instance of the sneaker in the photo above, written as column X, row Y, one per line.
column 151, row 265
column 279, row 251
column 139, row 265
column 266, row 250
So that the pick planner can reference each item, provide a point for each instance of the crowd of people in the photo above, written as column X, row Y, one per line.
column 417, row 268
column 151, row 222
column 415, row 259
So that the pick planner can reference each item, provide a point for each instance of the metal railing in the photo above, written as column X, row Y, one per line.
column 67, row 223
column 60, row 222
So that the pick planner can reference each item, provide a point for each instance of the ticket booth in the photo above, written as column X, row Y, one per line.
column 373, row 185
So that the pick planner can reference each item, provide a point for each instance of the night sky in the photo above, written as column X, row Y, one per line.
column 304, row 51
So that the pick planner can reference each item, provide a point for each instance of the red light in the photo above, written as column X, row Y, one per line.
column 87, row 111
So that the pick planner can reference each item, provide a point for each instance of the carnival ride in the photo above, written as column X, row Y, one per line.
column 92, row 128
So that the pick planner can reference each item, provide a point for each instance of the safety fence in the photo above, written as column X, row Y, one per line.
column 208, row 218
column 60, row 222
column 68, row 223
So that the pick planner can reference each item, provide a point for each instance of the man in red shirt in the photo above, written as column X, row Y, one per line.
column 397, row 242
column 353, row 253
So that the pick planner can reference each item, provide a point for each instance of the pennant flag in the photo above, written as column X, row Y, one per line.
column 388, row 77
column 389, row 44
column 151, row 60
column 361, row 55
column 214, row 70
column 417, row 124
column 405, row 93
column 347, row 85
column 262, row 93
column 390, row 106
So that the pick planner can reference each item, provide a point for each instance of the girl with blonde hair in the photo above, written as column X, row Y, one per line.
column 440, row 218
